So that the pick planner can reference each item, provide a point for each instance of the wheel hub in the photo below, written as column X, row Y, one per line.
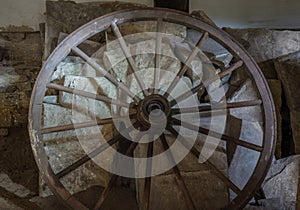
column 152, row 110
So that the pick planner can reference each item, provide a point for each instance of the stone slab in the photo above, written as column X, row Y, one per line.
column 266, row 44
column 272, row 204
column 55, row 115
column 85, row 108
column 288, row 70
column 246, row 92
column 282, row 179
column 67, row 16
column 61, row 155
column 203, row 16
column 69, row 66
column 10, row 186
column 206, row 190
column 244, row 160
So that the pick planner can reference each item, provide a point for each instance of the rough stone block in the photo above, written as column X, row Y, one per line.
column 69, row 66
column 183, row 51
column 246, row 92
column 254, row 40
column 88, row 108
column 265, row 44
column 67, row 16
column 244, row 160
column 10, row 186
column 282, row 180
column 203, row 16
column 272, row 203
column 218, row 52
column 143, row 54
column 63, row 148
column 62, row 154
column 246, row 124
column 55, row 115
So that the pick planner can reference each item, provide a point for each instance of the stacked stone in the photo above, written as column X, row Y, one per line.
column 277, row 54
column 270, row 49
column 20, row 62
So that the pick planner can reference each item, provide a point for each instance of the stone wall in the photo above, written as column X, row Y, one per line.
column 20, row 63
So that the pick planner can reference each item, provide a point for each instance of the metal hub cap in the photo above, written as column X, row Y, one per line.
column 152, row 109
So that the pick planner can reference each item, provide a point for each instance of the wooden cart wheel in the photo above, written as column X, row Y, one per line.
column 149, row 105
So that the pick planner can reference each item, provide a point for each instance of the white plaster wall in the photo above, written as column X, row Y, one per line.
column 21, row 12
column 251, row 13
column 233, row 13
column 31, row 12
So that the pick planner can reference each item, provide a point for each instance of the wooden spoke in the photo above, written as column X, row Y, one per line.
column 106, row 191
column 113, row 180
column 92, row 154
column 158, row 46
column 104, row 73
column 217, row 172
column 217, row 135
column 91, row 123
column 88, row 157
column 213, row 168
column 147, row 184
column 187, row 63
column 212, row 107
column 204, row 84
column 88, row 95
column 179, row 179
column 129, row 58
column 73, row 126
